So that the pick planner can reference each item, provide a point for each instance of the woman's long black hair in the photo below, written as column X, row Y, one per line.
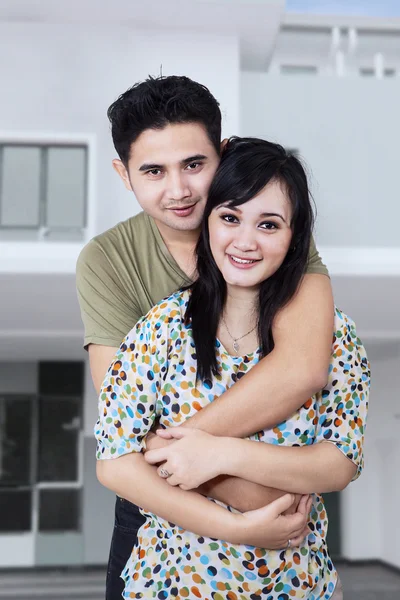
column 247, row 166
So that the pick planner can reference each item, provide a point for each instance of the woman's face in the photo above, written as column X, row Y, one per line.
column 250, row 242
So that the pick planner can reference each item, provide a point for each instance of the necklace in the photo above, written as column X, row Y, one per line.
column 235, row 340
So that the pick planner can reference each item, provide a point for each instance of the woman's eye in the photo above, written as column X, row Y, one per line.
column 229, row 218
column 269, row 225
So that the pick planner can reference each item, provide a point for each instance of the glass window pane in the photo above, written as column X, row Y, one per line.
column 298, row 70
column 66, row 187
column 20, row 186
column 15, row 510
column 61, row 378
column 59, row 510
column 59, row 427
column 15, row 439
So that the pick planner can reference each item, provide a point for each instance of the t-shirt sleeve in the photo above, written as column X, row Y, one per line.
column 128, row 395
column 315, row 264
column 343, row 405
column 107, row 310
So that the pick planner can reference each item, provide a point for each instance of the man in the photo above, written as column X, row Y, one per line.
column 167, row 133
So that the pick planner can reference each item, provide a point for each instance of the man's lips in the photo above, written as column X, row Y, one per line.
column 183, row 211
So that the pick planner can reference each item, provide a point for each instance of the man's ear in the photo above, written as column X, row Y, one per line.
column 122, row 172
column 223, row 145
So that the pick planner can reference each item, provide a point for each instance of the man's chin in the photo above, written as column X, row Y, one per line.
column 190, row 223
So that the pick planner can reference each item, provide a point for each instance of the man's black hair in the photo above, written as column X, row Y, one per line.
column 157, row 102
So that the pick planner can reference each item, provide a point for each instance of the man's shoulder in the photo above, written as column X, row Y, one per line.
column 124, row 237
column 124, row 232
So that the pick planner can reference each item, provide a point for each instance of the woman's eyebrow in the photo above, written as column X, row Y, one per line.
column 273, row 215
column 262, row 215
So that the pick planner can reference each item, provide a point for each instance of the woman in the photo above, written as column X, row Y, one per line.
column 188, row 350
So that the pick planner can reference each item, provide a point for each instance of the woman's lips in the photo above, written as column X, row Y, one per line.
column 242, row 263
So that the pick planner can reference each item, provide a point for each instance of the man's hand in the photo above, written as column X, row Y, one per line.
column 193, row 458
column 269, row 527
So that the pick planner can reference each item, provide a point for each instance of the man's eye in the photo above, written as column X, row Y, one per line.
column 154, row 172
column 229, row 218
column 193, row 166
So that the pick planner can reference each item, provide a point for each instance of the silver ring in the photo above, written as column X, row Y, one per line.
column 289, row 543
column 164, row 473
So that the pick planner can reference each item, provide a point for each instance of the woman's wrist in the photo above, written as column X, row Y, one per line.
column 227, row 455
column 232, row 527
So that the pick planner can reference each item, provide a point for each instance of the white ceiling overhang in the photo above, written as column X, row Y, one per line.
column 255, row 22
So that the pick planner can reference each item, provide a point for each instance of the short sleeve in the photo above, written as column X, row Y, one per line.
column 107, row 310
column 343, row 404
column 128, row 396
column 315, row 264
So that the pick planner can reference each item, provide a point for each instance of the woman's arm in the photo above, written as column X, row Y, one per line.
column 318, row 468
column 296, row 369
column 266, row 528
column 127, row 411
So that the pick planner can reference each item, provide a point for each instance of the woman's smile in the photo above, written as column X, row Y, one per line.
column 243, row 263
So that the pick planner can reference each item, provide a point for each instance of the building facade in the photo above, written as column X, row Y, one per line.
column 326, row 87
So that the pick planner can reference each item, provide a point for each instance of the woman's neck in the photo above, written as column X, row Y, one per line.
column 238, row 325
column 241, row 302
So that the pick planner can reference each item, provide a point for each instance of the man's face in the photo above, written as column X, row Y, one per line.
column 170, row 171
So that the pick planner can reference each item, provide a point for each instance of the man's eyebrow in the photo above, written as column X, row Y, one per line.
column 149, row 166
column 190, row 159
column 266, row 214
column 185, row 161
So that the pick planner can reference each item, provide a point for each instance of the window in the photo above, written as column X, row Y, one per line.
column 43, row 191
column 40, row 453
column 370, row 72
column 299, row 70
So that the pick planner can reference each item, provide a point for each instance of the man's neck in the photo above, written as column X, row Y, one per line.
column 181, row 245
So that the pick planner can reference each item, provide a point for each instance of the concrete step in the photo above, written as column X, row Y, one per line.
column 54, row 585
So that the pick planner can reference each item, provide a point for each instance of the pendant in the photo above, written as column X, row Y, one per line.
column 236, row 346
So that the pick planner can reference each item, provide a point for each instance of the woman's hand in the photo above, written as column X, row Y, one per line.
column 193, row 458
column 269, row 527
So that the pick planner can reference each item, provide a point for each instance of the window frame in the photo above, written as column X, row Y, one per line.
column 67, row 140
column 35, row 486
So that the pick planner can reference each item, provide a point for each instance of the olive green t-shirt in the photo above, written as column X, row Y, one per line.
column 125, row 271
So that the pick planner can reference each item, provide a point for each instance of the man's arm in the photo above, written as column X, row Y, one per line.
column 274, row 389
column 100, row 358
column 283, row 381
column 329, row 463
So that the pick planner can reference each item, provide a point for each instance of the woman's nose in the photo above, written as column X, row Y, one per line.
column 245, row 240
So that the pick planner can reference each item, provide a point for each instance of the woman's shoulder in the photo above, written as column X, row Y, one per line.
column 170, row 311
column 346, row 343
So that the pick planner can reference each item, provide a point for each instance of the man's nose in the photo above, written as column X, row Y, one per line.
column 178, row 188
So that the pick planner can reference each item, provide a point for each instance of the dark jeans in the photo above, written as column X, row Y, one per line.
column 127, row 522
